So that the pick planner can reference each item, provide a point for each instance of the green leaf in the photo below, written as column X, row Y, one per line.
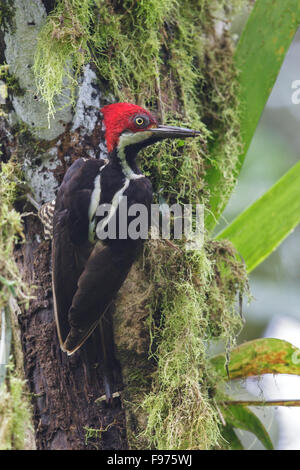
column 265, row 224
column 241, row 417
column 258, row 57
column 5, row 342
column 180, row 143
column 287, row 403
column 230, row 436
column 6, row 282
column 260, row 356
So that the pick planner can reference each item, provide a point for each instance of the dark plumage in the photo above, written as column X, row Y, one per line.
column 87, row 275
column 88, row 272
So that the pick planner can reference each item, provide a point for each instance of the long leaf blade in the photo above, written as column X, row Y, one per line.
column 242, row 418
column 258, row 57
column 258, row 357
column 5, row 342
column 286, row 403
column 260, row 229
column 231, row 438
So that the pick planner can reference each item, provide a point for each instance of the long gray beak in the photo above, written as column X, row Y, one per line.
column 171, row 132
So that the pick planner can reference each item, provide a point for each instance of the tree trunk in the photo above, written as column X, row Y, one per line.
column 190, row 83
column 64, row 389
column 66, row 414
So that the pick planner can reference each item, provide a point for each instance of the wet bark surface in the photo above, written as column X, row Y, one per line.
column 64, row 389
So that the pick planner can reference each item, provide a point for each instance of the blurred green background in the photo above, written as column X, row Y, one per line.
column 275, row 308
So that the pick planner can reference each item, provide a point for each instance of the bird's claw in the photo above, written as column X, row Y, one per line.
column 108, row 398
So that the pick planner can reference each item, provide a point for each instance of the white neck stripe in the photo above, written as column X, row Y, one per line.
column 113, row 208
column 126, row 139
column 94, row 202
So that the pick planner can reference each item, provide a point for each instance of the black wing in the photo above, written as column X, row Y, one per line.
column 102, row 277
column 70, row 248
column 85, row 277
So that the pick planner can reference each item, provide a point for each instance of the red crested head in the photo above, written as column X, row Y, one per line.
column 120, row 117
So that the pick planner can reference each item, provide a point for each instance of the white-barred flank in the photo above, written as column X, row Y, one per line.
column 45, row 214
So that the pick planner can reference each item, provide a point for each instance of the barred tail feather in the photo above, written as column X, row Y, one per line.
column 45, row 214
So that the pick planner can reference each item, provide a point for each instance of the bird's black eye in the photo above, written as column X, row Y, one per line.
column 141, row 121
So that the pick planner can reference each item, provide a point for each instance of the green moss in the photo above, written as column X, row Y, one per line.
column 14, row 408
column 94, row 436
column 166, row 55
column 137, row 379
column 8, row 84
column 11, row 232
column 15, row 413
column 195, row 295
column 10, row 80
column 6, row 14
column 161, row 53
column 63, row 49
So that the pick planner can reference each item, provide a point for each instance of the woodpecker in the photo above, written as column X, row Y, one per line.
column 88, row 272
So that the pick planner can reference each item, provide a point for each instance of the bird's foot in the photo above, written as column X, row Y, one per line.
column 108, row 398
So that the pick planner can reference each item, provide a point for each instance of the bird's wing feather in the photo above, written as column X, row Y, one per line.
column 69, row 226
column 104, row 274
column 65, row 273
column 86, row 277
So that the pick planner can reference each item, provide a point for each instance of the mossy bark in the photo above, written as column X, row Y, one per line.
column 63, row 390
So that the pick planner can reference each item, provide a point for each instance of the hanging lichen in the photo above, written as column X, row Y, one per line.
column 15, row 414
column 195, row 294
column 14, row 407
column 163, row 54
column 11, row 233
